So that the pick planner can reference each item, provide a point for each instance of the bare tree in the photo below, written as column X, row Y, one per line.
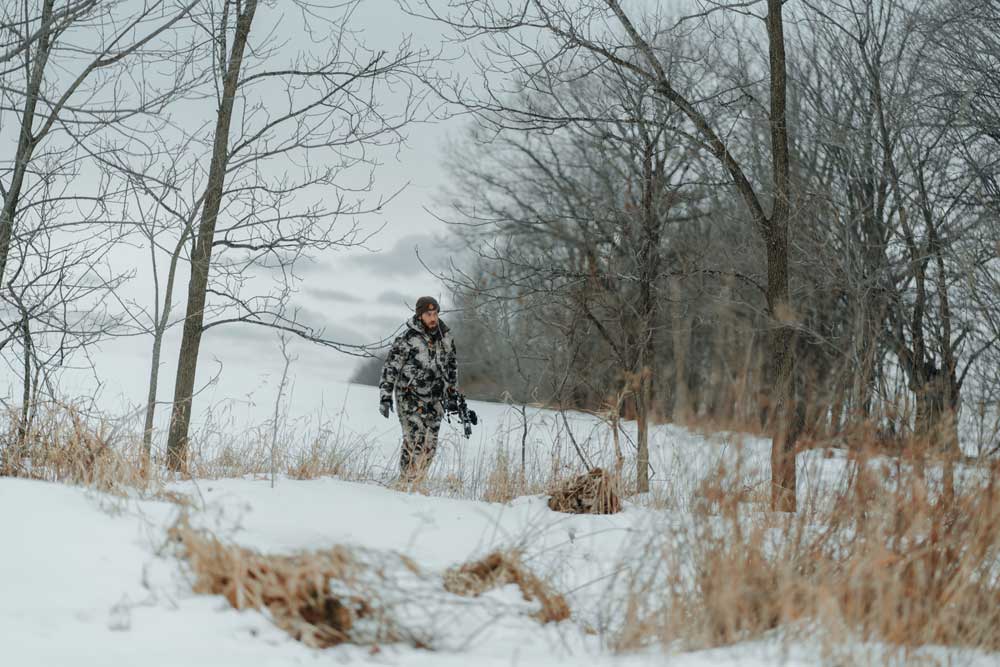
column 573, row 28
column 70, row 83
column 253, row 213
column 583, row 212
column 960, row 46
column 963, row 43
column 42, row 100
column 283, row 340
column 57, row 303
column 906, row 201
column 165, row 221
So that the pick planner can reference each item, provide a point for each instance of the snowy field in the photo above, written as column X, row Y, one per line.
column 88, row 581
column 343, row 423
column 91, row 578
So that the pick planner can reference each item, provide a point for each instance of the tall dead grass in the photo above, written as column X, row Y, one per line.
column 875, row 555
column 63, row 444
column 67, row 444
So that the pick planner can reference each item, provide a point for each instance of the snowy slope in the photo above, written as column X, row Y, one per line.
column 679, row 458
column 88, row 579
column 87, row 582
column 345, row 417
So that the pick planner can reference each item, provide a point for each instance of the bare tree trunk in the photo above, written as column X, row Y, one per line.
column 22, row 428
column 615, row 420
column 159, row 330
column 26, row 139
column 781, row 335
column 936, row 423
column 154, row 375
column 947, row 385
column 649, row 261
column 838, row 405
column 201, row 258
column 642, row 428
column 681, row 336
column 869, row 352
column 277, row 404
column 718, row 398
column 523, row 410
column 780, row 341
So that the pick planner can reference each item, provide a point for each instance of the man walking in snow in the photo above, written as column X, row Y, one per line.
column 421, row 369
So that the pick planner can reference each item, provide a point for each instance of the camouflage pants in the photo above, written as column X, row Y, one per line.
column 421, row 421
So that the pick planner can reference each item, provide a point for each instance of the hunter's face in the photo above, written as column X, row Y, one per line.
column 430, row 319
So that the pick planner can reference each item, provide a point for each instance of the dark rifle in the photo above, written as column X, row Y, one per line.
column 455, row 404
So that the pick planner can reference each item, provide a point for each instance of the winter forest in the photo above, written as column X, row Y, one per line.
column 722, row 280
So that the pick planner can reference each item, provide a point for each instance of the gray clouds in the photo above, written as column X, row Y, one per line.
column 402, row 259
column 387, row 325
column 394, row 298
column 241, row 337
column 330, row 294
column 329, row 329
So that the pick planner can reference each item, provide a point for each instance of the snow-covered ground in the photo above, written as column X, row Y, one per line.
column 90, row 579
column 344, row 423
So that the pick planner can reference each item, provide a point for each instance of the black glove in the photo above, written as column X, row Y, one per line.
column 385, row 407
column 451, row 400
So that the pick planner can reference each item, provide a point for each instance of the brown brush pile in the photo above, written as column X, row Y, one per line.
column 295, row 590
column 595, row 492
column 502, row 568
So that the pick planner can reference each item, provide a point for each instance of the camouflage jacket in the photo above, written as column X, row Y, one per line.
column 420, row 364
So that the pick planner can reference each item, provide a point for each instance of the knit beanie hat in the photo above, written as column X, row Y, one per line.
column 426, row 303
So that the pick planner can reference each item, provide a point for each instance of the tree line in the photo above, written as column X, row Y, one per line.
column 766, row 210
column 781, row 211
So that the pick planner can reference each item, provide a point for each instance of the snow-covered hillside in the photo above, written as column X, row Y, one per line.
column 91, row 579
column 88, row 580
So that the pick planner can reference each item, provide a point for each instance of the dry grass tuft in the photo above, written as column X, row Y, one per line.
column 297, row 590
column 595, row 492
column 504, row 481
column 61, row 445
column 876, row 558
column 739, row 591
column 502, row 568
